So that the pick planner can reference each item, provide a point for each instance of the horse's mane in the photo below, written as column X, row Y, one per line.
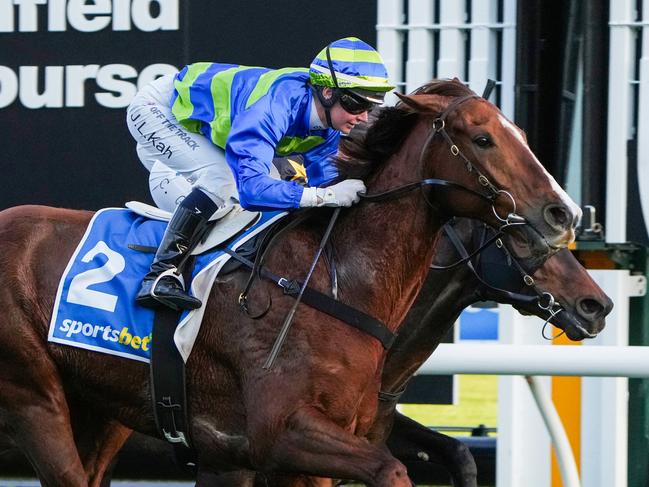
column 367, row 148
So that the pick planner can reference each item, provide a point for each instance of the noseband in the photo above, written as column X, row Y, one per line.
column 543, row 299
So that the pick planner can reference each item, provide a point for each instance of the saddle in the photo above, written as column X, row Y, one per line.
column 228, row 222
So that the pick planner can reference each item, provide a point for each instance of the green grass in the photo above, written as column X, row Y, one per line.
column 477, row 405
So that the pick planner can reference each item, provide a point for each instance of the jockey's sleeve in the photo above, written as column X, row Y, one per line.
column 320, row 168
column 250, row 149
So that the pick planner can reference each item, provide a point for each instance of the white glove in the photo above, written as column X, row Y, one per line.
column 344, row 193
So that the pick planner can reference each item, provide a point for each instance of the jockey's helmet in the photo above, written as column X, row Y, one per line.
column 355, row 71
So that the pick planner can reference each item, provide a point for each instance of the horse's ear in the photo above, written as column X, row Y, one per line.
column 424, row 103
column 413, row 101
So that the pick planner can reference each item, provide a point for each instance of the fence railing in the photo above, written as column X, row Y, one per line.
column 473, row 41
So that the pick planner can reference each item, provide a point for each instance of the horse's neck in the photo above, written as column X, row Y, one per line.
column 443, row 297
column 384, row 249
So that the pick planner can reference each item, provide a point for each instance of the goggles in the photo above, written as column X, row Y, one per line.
column 353, row 104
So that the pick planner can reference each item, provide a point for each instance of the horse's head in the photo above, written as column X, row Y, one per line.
column 582, row 304
column 536, row 286
column 476, row 146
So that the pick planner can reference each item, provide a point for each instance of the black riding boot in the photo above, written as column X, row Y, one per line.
column 180, row 237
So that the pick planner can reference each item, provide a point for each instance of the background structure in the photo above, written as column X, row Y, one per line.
column 67, row 75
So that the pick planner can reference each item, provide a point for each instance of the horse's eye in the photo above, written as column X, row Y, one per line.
column 482, row 141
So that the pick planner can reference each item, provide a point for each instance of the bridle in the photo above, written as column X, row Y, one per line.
column 543, row 299
column 439, row 127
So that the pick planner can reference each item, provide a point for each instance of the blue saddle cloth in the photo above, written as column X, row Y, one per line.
column 95, row 303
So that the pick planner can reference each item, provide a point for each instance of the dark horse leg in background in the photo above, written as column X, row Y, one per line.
column 409, row 441
column 97, row 443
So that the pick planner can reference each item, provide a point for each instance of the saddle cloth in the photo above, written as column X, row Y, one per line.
column 95, row 302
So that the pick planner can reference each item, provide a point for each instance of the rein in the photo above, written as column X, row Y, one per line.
column 286, row 326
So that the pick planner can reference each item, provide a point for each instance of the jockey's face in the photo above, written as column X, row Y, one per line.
column 341, row 119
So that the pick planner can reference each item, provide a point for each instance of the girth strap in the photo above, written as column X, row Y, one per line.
column 326, row 304
column 168, row 390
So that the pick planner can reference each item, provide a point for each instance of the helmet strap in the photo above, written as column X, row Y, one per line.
column 327, row 103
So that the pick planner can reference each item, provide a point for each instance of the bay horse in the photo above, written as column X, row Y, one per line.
column 320, row 398
column 444, row 293
column 580, row 310
column 494, row 274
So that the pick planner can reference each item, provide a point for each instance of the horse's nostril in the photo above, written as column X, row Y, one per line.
column 590, row 308
column 558, row 215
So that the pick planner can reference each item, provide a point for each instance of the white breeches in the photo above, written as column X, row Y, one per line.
column 177, row 160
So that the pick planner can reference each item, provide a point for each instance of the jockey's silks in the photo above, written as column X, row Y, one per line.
column 256, row 114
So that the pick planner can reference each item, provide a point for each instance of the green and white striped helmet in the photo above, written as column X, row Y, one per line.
column 351, row 64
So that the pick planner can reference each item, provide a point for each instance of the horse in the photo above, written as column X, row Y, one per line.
column 320, row 398
column 492, row 274
column 445, row 292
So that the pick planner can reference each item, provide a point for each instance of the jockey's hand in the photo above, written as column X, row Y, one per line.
column 344, row 193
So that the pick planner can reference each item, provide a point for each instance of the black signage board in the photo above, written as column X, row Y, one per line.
column 68, row 69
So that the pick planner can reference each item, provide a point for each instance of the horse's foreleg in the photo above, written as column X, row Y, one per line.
column 40, row 426
column 98, row 446
column 33, row 406
column 410, row 441
column 311, row 443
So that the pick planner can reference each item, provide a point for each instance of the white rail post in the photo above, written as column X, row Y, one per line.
column 452, row 50
column 508, row 60
column 389, row 41
column 482, row 62
column 523, row 454
column 419, row 65
column 604, row 401
column 620, row 113
column 560, row 442
column 643, row 122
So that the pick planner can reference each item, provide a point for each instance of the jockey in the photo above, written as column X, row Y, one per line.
column 209, row 133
